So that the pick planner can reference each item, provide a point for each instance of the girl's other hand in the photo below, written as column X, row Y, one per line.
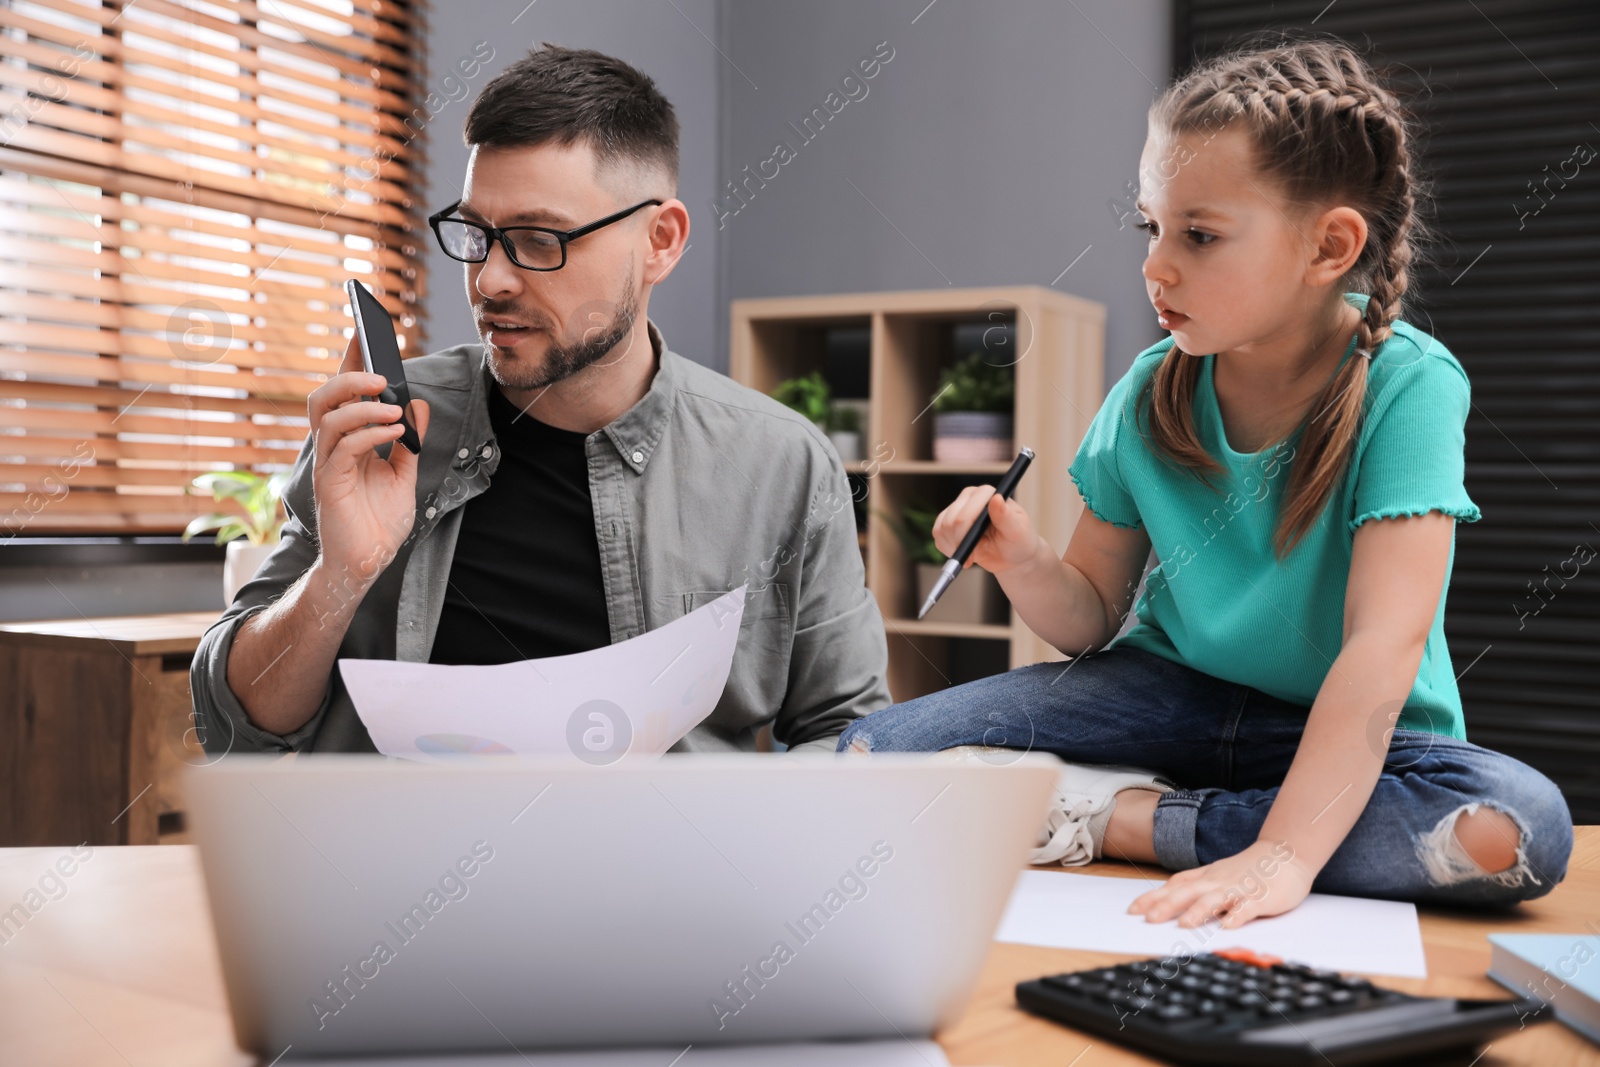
column 1008, row 543
column 1263, row 880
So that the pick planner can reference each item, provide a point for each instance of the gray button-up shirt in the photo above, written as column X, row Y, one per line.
column 702, row 486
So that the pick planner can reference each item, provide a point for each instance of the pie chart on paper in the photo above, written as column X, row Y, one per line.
column 461, row 745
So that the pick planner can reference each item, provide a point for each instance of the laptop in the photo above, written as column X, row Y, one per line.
column 365, row 905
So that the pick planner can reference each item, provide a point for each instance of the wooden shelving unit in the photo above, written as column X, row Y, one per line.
column 1056, row 343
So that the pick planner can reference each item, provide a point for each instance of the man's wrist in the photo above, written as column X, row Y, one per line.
column 333, row 590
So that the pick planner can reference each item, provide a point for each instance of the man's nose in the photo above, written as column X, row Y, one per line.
column 497, row 275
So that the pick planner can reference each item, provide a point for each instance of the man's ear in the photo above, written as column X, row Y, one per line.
column 669, row 236
column 1341, row 234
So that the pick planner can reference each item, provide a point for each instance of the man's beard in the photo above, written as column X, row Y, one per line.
column 562, row 361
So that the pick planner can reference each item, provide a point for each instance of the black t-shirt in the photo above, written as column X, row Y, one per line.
column 526, row 581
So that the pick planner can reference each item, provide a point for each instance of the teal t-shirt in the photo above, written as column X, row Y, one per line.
column 1218, row 599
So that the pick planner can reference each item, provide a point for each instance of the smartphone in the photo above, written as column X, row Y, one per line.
column 380, row 354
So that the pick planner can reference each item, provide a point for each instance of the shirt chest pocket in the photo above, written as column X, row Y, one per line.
column 760, row 675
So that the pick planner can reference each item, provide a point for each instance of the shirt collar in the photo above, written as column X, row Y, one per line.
column 637, row 431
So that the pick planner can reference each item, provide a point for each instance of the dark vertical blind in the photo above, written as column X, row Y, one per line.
column 1508, row 94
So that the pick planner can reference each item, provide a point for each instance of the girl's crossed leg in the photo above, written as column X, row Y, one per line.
column 1228, row 747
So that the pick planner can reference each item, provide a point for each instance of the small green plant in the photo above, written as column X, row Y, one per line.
column 810, row 396
column 844, row 418
column 257, row 494
column 974, row 384
column 914, row 527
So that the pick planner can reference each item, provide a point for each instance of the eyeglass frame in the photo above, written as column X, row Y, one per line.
column 497, row 233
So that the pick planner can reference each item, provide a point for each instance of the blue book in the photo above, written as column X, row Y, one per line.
column 1563, row 970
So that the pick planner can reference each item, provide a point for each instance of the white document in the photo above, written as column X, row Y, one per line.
column 637, row 697
column 896, row 1052
column 1083, row 911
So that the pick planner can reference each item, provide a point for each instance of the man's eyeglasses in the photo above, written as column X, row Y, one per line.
column 529, row 247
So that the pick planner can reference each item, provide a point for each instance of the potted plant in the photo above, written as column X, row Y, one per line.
column 813, row 399
column 810, row 396
column 250, row 537
column 972, row 420
column 975, row 597
column 844, row 429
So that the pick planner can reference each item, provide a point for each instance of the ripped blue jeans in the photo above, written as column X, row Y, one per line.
column 1228, row 747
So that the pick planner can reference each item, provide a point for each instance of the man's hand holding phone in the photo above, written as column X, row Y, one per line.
column 365, row 504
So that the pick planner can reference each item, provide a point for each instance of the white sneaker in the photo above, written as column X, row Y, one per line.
column 1075, row 828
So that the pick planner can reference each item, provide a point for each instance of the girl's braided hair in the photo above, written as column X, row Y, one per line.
column 1326, row 131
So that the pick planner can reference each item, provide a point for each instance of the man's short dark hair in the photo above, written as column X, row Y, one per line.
column 564, row 95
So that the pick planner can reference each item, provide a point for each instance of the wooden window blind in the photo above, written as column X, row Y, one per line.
column 1508, row 92
column 184, row 188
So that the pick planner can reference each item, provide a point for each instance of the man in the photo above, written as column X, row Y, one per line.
column 579, row 483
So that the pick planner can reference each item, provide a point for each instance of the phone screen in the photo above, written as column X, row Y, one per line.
column 380, row 354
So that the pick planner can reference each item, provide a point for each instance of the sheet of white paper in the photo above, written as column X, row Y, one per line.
column 636, row 697
column 892, row 1053
column 1082, row 911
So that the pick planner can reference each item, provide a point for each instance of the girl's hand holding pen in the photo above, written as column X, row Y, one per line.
column 1010, row 541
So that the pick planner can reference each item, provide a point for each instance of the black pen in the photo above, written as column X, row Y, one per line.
column 954, row 565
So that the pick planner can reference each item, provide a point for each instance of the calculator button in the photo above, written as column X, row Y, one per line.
column 1341, row 996
column 1208, row 1007
column 1071, row 982
column 1244, row 955
column 1219, row 991
column 1172, row 1011
column 1279, row 1007
column 1251, row 999
column 1309, row 1003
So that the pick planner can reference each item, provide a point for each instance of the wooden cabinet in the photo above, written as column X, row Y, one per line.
column 1054, row 341
column 94, row 727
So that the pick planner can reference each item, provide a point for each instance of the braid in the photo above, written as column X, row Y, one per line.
column 1329, row 132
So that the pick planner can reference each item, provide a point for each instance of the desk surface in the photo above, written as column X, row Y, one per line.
column 133, row 635
column 122, row 969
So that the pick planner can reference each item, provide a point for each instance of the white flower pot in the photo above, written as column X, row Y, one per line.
column 848, row 444
column 244, row 559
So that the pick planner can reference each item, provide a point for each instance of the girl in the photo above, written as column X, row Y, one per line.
column 1284, row 716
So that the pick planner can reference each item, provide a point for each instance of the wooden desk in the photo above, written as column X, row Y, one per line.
column 94, row 723
column 123, row 969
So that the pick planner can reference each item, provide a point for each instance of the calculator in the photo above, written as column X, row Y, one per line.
column 1238, row 1007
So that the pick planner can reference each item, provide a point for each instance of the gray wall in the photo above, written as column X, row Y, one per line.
column 664, row 39
column 986, row 152
column 989, row 151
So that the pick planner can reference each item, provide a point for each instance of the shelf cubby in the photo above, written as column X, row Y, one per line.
column 1056, row 344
